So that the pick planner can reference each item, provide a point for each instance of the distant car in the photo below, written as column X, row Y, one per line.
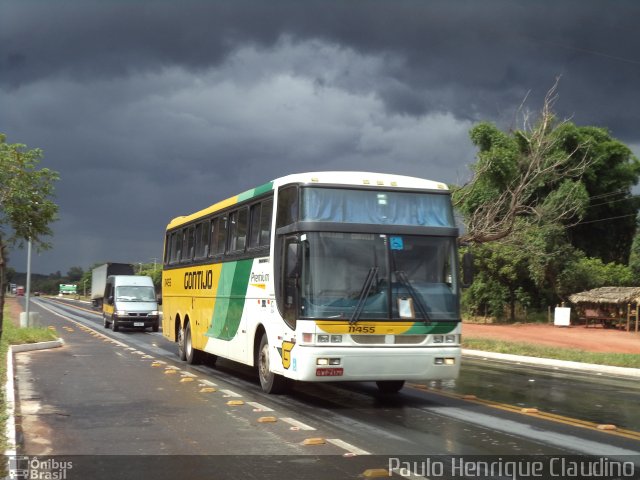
column 36, row 294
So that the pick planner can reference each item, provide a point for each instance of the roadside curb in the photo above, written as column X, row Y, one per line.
column 554, row 364
column 30, row 347
column 10, row 394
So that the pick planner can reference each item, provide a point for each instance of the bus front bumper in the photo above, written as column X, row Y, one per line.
column 317, row 364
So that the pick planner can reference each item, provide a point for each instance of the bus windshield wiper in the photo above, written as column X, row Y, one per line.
column 364, row 293
column 417, row 299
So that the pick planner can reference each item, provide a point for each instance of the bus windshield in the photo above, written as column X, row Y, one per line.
column 357, row 276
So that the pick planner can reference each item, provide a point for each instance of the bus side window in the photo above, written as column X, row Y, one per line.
column 202, row 239
column 287, row 206
column 188, row 244
column 167, row 249
column 265, row 222
column 254, row 229
column 238, row 230
column 218, row 235
column 177, row 251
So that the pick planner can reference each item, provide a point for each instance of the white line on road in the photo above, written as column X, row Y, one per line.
column 231, row 393
column 296, row 423
column 260, row 407
column 347, row 446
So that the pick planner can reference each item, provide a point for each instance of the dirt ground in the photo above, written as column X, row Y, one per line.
column 14, row 308
column 591, row 339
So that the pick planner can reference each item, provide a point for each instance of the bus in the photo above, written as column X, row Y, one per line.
column 322, row 276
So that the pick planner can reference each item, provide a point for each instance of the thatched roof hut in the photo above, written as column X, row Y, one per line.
column 608, row 305
column 608, row 295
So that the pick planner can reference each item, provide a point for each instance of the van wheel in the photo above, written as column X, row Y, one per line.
column 156, row 327
column 193, row 356
column 115, row 326
column 104, row 321
column 269, row 381
column 390, row 386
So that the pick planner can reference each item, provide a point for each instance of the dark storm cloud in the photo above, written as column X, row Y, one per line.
column 489, row 53
column 152, row 109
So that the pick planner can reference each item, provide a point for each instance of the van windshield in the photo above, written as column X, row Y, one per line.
column 135, row 294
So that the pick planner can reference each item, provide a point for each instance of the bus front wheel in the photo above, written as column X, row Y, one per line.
column 269, row 381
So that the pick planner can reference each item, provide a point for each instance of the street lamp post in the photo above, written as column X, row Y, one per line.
column 28, row 291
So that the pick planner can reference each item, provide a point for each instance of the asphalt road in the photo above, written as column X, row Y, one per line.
column 121, row 405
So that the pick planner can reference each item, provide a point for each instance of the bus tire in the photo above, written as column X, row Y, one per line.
column 390, row 386
column 269, row 381
column 180, row 341
column 193, row 356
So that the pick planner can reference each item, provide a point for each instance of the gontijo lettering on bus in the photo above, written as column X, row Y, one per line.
column 198, row 280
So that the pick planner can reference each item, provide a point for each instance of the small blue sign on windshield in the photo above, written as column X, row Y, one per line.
column 397, row 243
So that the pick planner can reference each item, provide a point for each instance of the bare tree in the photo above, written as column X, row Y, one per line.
column 528, row 173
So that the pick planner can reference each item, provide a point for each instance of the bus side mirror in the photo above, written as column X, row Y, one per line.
column 467, row 270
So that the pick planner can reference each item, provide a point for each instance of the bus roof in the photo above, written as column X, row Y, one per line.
column 381, row 180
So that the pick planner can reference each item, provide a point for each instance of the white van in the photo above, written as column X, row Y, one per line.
column 130, row 301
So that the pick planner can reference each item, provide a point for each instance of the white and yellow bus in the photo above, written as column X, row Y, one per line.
column 325, row 276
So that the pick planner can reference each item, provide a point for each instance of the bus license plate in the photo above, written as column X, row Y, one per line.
column 329, row 372
column 138, row 324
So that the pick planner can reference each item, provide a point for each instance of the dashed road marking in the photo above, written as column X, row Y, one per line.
column 297, row 424
column 259, row 407
column 347, row 446
column 230, row 393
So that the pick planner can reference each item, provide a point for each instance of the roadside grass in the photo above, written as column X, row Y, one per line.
column 14, row 335
column 629, row 360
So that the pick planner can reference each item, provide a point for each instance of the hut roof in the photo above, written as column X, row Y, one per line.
column 615, row 295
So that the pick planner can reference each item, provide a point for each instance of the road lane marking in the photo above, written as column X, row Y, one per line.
column 259, row 407
column 208, row 383
column 297, row 424
column 347, row 446
column 230, row 393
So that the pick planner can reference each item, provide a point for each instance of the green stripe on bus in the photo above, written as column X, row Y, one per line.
column 267, row 187
column 230, row 299
column 434, row 328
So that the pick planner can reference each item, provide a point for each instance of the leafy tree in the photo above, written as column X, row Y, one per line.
column 536, row 201
column 608, row 227
column 26, row 209
column 634, row 257
column 75, row 274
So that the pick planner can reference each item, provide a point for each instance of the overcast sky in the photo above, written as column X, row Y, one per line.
column 153, row 109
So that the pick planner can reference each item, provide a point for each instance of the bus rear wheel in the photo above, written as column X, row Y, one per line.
column 269, row 381
column 192, row 355
column 182, row 355
column 390, row 386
